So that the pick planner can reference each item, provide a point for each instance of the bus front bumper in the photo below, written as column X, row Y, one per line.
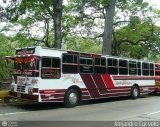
column 23, row 96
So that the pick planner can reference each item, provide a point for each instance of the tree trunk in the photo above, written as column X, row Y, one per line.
column 57, row 23
column 107, row 35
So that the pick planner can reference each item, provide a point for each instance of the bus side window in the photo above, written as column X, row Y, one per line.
column 151, row 69
column 112, row 65
column 139, row 68
column 46, row 62
column 132, row 67
column 123, row 67
column 157, row 69
column 70, row 63
column 86, row 65
column 50, row 68
column 145, row 69
column 100, row 65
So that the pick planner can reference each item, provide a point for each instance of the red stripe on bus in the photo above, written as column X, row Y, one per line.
column 133, row 78
column 99, row 83
column 49, row 91
column 90, row 85
column 108, row 81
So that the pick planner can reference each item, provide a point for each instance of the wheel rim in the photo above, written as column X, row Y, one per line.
column 135, row 92
column 73, row 98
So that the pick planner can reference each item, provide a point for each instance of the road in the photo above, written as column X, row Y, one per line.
column 146, row 108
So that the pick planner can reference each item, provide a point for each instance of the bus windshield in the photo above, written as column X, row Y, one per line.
column 26, row 66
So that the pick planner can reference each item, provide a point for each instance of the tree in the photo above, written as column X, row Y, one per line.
column 107, row 35
column 86, row 20
column 56, row 15
column 29, row 13
column 133, row 24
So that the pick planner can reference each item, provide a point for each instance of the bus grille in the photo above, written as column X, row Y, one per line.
column 20, row 88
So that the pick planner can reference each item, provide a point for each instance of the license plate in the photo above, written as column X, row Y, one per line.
column 18, row 95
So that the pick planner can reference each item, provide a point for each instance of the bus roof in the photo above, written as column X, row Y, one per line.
column 78, row 52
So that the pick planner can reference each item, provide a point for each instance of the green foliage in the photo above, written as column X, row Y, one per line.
column 134, row 51
column 138, row 39
column 7, row 48
column 77, row 43
column 83, row 26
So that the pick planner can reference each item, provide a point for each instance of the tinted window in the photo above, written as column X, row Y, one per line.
column 55, row 62
column 145, row 69
column 50, row 68
column 122, row 63
column 132, row 67
column 100, row 65
column 123, row 67
column 112, row 62
column 139, row 68
column 112, row 66
column 67, row 58
column 70, row 63
column 46, row 62
column 151, row 69
column 86, row 65
column 97, row 61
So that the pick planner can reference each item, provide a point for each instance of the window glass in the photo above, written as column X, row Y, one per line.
column 139, row 64
column 103, row 61
column 132, row 64
column 139, row 68
column 89, row 61
column 85, row 65
column 123, row 67
column 97, row 61
column 112, row 62
column 145, row 65
column 46, row 62
column 112, row 66
column 145, row 69
column 67, row 58
column 132, row 68
column 151, row 69
column 70, row 63
column 83, row 61
column 122, row 63
column 75, row 59
column 17, row 65
column 51, row 68
column 55, row 62
column 151, row 66
column 100, row 66
column 86, row 69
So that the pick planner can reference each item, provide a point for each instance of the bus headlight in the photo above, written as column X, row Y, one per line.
column 30, row 90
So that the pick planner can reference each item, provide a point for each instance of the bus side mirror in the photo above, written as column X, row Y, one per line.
column 7, row 59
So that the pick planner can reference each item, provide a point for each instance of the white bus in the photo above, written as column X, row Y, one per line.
column 51, row 75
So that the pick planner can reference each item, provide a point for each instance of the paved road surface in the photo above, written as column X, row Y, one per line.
column 146, row 108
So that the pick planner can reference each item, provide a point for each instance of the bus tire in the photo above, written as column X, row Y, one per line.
column 135, row 92
column 72, row 98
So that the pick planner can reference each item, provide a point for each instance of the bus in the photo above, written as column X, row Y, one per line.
column 53, row 75
column 157, row 74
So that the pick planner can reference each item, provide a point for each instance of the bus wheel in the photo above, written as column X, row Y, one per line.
column 72, row 98
column 135, row 92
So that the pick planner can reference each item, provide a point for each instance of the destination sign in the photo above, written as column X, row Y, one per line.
column 25, row 51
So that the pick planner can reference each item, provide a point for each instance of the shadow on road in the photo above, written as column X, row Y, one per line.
column 47, row 106
column 37, row 106
column 113, row 99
